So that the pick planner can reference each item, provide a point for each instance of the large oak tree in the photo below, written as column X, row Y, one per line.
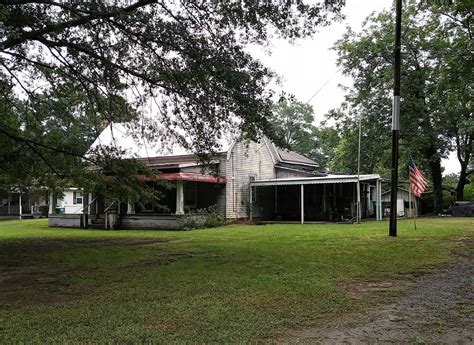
column 178, row 68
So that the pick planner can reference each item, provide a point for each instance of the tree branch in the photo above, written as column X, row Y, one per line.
column 57, row 27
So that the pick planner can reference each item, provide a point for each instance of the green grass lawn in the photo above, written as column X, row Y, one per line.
column 235, row 283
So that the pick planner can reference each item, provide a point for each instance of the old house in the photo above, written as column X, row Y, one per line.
column 255, row 180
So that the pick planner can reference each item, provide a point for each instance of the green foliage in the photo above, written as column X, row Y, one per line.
column 293, row 128
column 213, row 218
column 450, row 184
column 44, row 210
column 173, row 69
column 27, row 138
column 469, row 192
column 189, row 221
column 436, row 109
column 237, row 284
column 201, row 218
column 327, row 139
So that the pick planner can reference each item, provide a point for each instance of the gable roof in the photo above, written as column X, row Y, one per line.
column 288, row 157
column 121, row 136
column 292, row 156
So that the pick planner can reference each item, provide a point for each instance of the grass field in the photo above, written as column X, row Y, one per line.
column 236, row 283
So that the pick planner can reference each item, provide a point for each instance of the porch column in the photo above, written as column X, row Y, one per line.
column 302, row 204
column 53, row 200
column 377, row 215
column 85, row 210
column 380, row 200
column 93, row 203
column 51, row 207
column 130, row 207
column 359, row 210
column 250, row 202
column 179, row 197
column 20, row 209
column 378, row 208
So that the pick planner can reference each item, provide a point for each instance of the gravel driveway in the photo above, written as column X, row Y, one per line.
column 437, row 309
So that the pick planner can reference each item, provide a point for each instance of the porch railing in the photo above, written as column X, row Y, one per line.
column 107, row 211
column 86, row 206
column 84, row 214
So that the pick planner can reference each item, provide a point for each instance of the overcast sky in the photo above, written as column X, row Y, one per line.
column 309, row 66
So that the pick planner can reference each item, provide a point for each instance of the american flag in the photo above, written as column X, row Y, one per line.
column 418, row 182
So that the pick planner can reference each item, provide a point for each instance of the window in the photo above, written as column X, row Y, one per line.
column 77, row 198
column 190, row 195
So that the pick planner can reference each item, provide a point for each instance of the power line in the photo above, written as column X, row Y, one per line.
column 324, row 85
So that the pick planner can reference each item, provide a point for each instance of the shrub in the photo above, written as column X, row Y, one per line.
column 201, row 218
column 44, row 210
column 213, row 218
column 188, row 221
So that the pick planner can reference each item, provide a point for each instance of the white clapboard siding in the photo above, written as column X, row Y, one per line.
column 245, row 160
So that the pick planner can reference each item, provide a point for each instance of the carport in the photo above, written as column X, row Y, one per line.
column 313, row 199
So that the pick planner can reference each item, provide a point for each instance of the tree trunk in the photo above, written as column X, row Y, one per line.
column 463, row 150
column 461, row 183
column 437, row 178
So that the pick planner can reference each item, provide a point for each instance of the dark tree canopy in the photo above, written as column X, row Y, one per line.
column 180, row 67
column 436, row 107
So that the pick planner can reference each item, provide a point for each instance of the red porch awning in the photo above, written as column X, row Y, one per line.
column 184, row 176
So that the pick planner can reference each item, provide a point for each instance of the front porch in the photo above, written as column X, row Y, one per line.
column 18, row 204
column 184, row 193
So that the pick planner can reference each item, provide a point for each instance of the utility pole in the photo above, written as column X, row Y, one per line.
column 359, row 211
column 395, row 119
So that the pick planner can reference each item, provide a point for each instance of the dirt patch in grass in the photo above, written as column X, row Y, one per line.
column 162, row 259
column 362, row 289
column 31, row 275
column 437, row 307
column 31, row 286
column 26, row 278
column 14, row 253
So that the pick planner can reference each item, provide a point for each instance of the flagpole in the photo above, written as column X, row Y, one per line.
column 395, row 119
column 416, row 211
column 409, row 197
column 413, row 215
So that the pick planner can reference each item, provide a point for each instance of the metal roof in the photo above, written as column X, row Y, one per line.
column 294, row 157
column 286, row 156
column 316, row 180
